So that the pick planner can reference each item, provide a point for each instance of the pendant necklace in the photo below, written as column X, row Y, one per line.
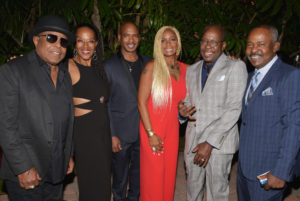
column 129, row 66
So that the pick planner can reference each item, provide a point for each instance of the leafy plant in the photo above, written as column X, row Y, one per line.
column 188, row 16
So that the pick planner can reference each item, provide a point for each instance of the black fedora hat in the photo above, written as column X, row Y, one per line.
column 51, row 23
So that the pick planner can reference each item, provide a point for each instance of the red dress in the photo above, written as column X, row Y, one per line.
column 158, row 173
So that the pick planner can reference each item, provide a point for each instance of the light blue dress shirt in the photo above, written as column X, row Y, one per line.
column 263, row 71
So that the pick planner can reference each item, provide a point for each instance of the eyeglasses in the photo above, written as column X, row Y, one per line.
column 51, row 38
column 212, row 43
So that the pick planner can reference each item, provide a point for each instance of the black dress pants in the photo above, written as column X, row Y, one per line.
column 43, row 192
column 126, row 166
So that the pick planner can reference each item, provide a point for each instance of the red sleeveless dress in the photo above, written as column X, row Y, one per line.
column 158, row 173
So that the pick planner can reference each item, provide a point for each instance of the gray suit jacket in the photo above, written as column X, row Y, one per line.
column 218, row 104
column 26, row 121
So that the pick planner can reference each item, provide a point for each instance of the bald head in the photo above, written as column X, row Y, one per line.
column 129, row 38
column 126, row 25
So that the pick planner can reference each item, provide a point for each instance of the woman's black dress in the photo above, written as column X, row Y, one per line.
column 92, row 139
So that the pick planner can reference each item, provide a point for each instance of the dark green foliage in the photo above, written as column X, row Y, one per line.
column 188, row 16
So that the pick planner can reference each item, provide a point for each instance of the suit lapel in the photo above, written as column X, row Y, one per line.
column 35, row 70
column 37, row 73
column 247, row 86
column 265, row 82
column 199, row 80
column 214, row 72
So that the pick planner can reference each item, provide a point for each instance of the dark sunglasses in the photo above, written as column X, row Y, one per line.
column 51, row 38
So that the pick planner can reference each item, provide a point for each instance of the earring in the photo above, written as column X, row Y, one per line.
column 74, row 52
column 94, row 55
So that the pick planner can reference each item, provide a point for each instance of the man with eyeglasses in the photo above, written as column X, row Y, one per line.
column 215, row 87
column 36, row 116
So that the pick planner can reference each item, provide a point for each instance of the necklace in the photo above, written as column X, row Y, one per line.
column 175, row 66
column 129, row 66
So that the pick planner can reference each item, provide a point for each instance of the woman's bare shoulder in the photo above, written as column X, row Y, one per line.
column 72, row 66
column 149, row 67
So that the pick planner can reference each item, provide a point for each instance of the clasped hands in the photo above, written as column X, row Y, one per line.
column 185, row 111
column 203, row 151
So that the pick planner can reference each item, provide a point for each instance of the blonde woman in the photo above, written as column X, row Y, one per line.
column 162, row 87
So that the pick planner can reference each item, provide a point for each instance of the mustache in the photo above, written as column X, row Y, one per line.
column 256, row 54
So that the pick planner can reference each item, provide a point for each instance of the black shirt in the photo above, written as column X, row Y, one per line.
column 135, row 69
column 60, row 107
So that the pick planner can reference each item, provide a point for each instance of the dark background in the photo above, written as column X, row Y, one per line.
column 188, row 16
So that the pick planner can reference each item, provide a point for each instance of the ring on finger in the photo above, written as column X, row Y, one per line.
column 31, row 186
column 153, row 149
column 202, row 159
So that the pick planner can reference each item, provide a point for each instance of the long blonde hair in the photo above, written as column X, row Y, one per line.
column 161, row 85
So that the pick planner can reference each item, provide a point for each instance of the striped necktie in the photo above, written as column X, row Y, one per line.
column 254, row 82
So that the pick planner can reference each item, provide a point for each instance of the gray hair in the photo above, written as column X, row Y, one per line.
column 273, row 30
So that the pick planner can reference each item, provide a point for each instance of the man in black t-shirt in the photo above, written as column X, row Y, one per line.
column 123, row 72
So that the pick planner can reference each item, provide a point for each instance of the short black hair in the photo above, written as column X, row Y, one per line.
column 216, row 26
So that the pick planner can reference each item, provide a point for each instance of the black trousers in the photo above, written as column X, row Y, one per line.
column 43, row 192
column 126, row 166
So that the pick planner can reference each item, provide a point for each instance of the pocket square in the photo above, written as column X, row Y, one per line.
column 221, row 78
column 267, row 92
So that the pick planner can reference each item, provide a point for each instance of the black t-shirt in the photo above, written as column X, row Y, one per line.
column 135, row 69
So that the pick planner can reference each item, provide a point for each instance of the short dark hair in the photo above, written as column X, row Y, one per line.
column 216, row 26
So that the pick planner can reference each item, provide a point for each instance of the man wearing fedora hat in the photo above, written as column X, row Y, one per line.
column 36, row 116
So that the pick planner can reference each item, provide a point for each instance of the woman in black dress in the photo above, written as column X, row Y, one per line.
column 92, row 140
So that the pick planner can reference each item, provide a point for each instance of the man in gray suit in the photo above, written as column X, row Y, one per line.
column 215, row 88
column 36, row 115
